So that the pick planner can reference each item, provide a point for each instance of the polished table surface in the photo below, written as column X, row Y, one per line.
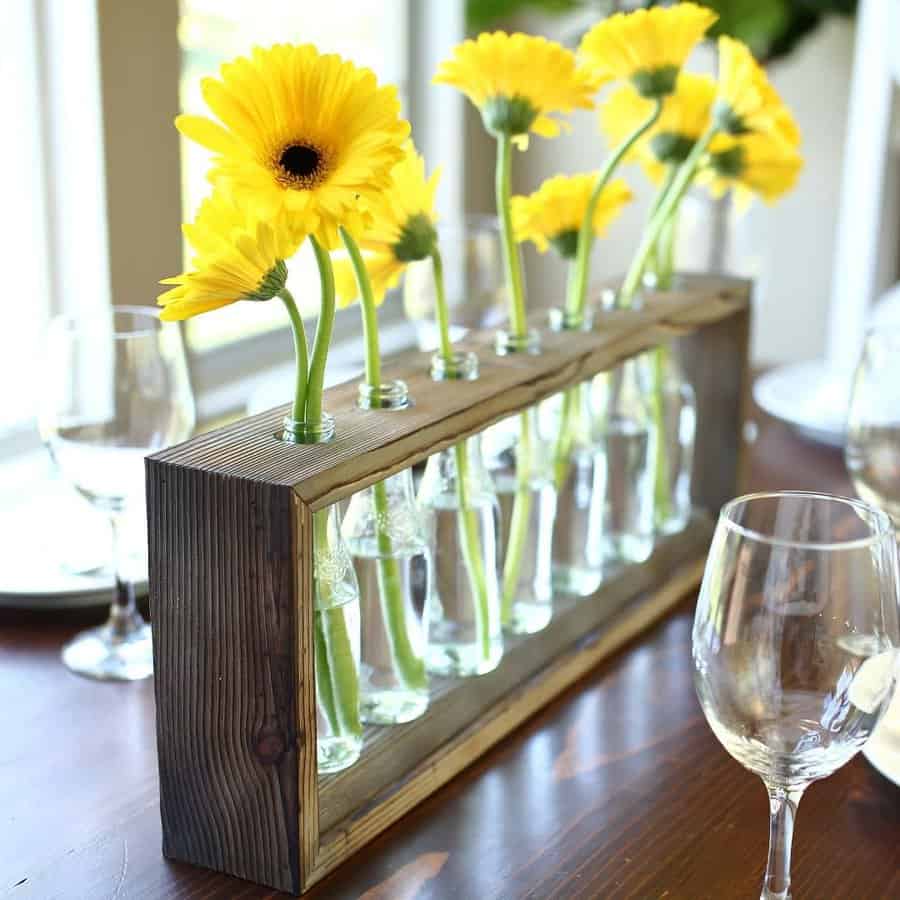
column 618, row 789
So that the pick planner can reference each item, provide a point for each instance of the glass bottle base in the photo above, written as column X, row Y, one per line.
column 627, row 548
column 392, row 707
column 463, row 660
column 673, row 524
column 578, row 582
column 529, row 618
column 102, row 654
column 333, row 754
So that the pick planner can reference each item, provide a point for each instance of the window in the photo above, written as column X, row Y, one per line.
column 53, row 176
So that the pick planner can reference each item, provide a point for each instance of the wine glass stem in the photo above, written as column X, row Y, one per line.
column 124, row 617
column 782, row 812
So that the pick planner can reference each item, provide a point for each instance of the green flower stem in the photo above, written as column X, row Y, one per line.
column 519, row 518
column 298, row 409
column 655, row 263
column 441, row 310
column 577, row 287
column 409, row 667
column 368, row 309
column 471, row 550
column 562, row 449
column 337, row 679
column 517, row 317
column 665, row 271
column 324, row 328
column 664, row 212
column 468, row 521
column 518, row 532
column 324, row 692
column 662, row 492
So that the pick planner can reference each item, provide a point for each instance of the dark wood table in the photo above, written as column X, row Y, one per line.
column 616, row 790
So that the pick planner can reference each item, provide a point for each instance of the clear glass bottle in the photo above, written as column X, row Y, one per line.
column 674, row 407
column 577, row 552
column 524, row 484
column 336, row 629
column 577, row 562
column 461, row 513
column 626, row 437
column 389, row 547
column 517, row 458
column 339, row 734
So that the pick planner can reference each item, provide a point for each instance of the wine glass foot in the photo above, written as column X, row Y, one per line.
column 102, row 654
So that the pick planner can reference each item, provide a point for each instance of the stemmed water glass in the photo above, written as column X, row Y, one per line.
column 873, row 460
column 873, row 423
column 115, row 388
column 795, row 643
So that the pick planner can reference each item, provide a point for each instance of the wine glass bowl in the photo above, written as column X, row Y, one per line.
column 795, row 642
column 873, row 423
column 115, row 388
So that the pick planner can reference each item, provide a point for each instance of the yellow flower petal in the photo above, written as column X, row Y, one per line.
column 558, row 207
column 301, row 132
column 521, row 67
column 646, row 41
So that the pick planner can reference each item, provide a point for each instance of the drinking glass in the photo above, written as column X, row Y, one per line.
column 115, row 388
column 795, row 643
column 873, row 424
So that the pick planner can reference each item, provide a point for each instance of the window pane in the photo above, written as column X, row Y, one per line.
column 370, row 32
column 23, row 237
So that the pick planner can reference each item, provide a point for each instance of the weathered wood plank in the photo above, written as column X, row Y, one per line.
column 232, row 598
column 225, row 641
column 370, row 445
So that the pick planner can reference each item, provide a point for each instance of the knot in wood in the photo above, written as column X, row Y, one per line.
column 269, row 747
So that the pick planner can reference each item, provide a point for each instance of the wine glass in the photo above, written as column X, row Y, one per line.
column 115, row 388
column 872, row 455
column 795, row 643
column 873, row 424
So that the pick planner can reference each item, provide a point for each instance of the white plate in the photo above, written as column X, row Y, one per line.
column 810, row 396
column 883, row 749
column 54, row 547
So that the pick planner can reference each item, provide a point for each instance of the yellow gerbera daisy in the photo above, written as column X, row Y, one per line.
column 517, row 80
column 553, row 214
column 648, row 46
column 238, row 257
column 308, row 133
column 402, row 230
column 746, row 101
column 763, row 165
column 685, row 117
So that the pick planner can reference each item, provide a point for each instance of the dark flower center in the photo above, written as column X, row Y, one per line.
column 302, row 166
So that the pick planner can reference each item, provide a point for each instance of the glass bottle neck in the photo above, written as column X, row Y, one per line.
column 459, row 366
column 389, row 395
column 297, row 431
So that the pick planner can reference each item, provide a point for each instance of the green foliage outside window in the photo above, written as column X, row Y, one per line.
column 772, row 28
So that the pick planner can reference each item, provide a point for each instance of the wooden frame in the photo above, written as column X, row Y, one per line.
column 231, row 593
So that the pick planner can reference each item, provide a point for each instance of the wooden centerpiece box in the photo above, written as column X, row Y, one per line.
column 231, row 586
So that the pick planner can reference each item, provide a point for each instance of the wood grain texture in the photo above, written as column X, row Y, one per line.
column 231, row 590
column 226, row 659
column 617, row 789
column 716, row 363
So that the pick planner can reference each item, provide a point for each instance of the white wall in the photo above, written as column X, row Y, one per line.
column 788, row 248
